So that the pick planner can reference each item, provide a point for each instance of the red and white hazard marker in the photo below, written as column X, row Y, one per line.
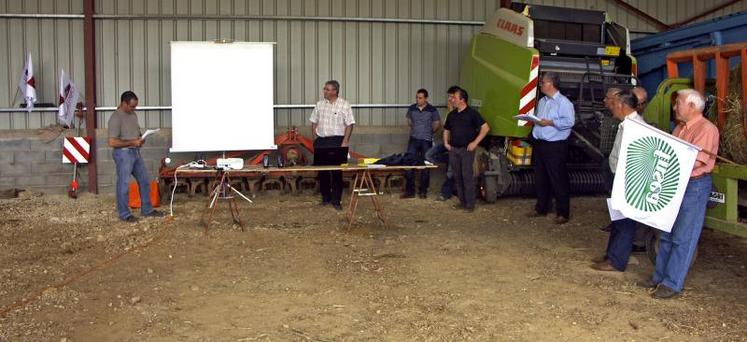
column 528, row 100
column 76, row 150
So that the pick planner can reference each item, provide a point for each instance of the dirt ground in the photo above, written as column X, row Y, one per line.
column 296, row 274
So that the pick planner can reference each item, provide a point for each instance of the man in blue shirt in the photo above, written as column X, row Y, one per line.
column 550, row 143
column 424, row 121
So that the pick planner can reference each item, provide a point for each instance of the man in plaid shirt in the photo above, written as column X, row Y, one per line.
column 331, row 126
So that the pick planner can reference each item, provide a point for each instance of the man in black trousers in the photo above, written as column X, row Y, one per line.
column 550, row 143
column 331, row 126
column 463, row 132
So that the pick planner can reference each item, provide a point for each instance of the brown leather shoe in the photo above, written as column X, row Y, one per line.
column 664, row 292
column 599, row 259
column 560, row 220
column 647, row 284
column 604, row 266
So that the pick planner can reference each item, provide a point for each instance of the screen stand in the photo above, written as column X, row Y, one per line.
column 223, row 191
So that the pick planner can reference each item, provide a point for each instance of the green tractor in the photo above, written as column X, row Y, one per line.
column 501, row 73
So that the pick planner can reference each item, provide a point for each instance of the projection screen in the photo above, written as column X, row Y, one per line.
column 222, row 96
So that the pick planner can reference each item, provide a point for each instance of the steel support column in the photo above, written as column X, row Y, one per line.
column 90, row 62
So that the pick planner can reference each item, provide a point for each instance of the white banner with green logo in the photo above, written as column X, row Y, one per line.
column 652, row 175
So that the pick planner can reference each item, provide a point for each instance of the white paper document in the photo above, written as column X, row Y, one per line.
column 614, row 214
column 527, row 117
column 149, row 132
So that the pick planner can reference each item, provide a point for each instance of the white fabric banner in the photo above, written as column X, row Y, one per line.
column 68, row 97
column 652, row 175
column 27, row 84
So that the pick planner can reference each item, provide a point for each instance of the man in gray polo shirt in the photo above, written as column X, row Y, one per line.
column 125, row 140
column 424, row 121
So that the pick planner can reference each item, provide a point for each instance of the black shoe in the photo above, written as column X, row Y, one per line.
column 469, row 209
column 423, row 196
column 337, row 206
column 664, row 292
column 560, row 220
column 607, row 228
column 155, row 213
column 325, row 203
column 647, row 284
column 130, row 219
column 406, row 195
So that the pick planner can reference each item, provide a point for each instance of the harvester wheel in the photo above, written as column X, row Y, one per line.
column 652, row 246
column 490, row 188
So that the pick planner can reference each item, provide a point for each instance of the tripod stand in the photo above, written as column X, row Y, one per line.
column 223, row 191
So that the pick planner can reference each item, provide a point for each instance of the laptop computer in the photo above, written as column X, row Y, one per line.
column 324, row 156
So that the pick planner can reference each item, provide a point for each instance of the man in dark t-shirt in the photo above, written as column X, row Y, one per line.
column 463, row 132
column 424, row 121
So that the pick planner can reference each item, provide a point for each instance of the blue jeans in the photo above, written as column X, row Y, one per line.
column 676, row 249
column 439, row 154
column 419, row 148
column 620, row 243
column 129, row 162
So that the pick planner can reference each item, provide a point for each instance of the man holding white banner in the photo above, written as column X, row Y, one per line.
column 623, row 106
column 678, row 246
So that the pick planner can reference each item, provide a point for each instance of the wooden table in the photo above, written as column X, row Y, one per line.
column 363, row 184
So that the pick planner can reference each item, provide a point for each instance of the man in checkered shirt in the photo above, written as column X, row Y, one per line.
column 331, row 125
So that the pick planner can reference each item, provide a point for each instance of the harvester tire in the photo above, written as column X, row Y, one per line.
column 490, row 186
column 652, row 246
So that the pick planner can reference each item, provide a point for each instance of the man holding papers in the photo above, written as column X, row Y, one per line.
column 550, row 134
column 620, row 244
column 125, row 140
column 676, row 248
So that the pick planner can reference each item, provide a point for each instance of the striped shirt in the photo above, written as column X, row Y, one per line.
column 704, row 134
column 332, row 117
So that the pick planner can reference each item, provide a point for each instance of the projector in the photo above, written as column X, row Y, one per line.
column 229, row 163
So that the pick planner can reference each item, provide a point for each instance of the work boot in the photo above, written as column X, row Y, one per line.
column 664, row 292
column 130, row 219
column 607, row 228
column 560, row 220
column 155, row 213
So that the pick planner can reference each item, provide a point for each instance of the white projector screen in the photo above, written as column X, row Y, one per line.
column 222, row 96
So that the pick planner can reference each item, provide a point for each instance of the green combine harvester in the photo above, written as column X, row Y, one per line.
column 501, row 73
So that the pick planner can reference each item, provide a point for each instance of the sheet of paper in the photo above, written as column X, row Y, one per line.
column 527, row 117
column 614, row 214
column 149, row 132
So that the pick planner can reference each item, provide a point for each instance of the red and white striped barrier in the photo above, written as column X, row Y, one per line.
column 76, row 150
column 528, row 100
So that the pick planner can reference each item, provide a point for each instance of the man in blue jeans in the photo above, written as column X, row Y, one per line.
column 424, row 121
column 125, row 140
column 622, row 104
column 676, row 248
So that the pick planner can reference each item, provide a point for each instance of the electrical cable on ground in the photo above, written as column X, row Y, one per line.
column 34, row 296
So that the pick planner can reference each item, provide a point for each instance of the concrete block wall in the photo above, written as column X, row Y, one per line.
column 28, row 162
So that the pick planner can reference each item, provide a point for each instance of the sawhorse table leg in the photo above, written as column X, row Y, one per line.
column 363, row 185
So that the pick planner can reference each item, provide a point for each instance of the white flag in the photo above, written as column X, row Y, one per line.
column 652, row 175
column 27, row 84
column 68, row 98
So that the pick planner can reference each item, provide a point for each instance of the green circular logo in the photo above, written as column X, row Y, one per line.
column 652, row 171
